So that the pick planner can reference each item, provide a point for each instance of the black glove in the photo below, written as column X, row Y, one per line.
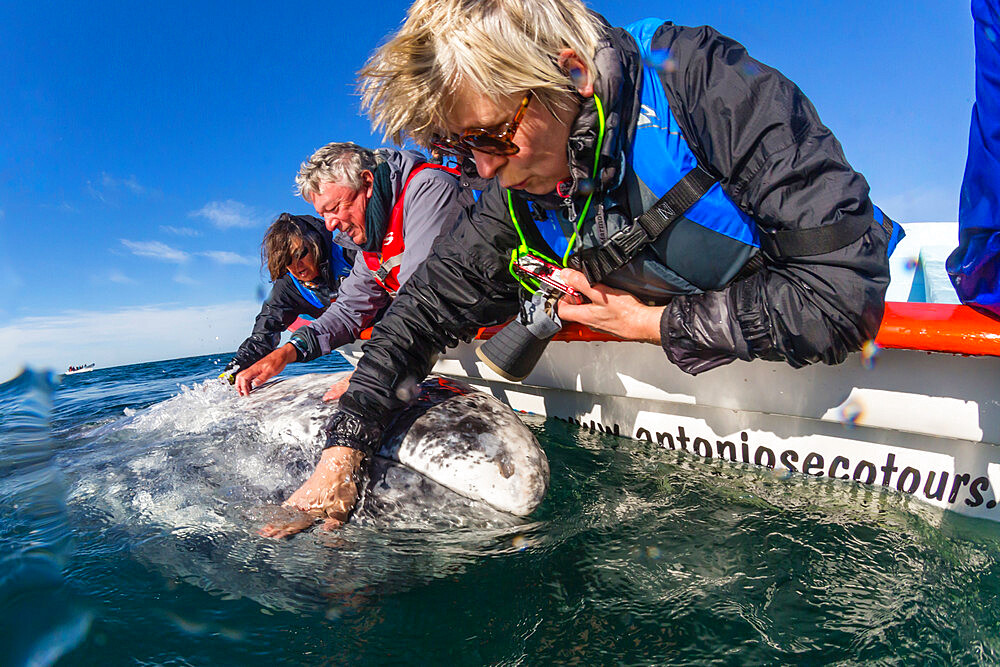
column 348, row 430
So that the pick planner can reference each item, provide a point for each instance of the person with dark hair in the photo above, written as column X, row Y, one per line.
column 306, row 263
column 392, row 204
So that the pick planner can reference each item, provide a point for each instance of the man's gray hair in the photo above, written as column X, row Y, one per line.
column 339, row 163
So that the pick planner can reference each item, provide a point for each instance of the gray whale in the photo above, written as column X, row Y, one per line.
column 186, row 483
column 450, row 436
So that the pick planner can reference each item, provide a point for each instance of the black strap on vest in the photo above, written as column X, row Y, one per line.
column 596, row 263
column 813, row 240
column 819, row 240
column 617, row 251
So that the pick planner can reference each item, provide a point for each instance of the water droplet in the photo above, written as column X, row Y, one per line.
column 869, row 351
column 586, row 186
column 911, row 263
column 660, row 59
column 578, row 77
column 519, row 542
column 187, row 626
column 654, row 553
column 851, row 412
column 990, row 34
column 408, row 390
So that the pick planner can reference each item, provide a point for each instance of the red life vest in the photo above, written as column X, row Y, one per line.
column 384, row 264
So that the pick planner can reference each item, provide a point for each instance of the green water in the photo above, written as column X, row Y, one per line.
column 637, row 556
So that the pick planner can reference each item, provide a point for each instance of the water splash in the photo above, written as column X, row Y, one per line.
column 40, row 619
column 191, row 479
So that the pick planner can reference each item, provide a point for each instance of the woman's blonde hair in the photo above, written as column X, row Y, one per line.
column 496, row 48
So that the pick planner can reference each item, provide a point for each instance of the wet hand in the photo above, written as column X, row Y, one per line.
column 265, row 369
column 611, row 310
column 337, row 390
column 285, row 522
column 330, row 492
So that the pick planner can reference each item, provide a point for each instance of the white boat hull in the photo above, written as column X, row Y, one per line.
column 921, row 423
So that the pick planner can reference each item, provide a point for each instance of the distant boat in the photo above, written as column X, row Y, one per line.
column 86, row 368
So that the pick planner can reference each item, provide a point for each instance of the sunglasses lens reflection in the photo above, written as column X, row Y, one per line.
column 487, row 143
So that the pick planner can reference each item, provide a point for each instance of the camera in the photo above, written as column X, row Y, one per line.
column 547, row 274
column 515, row 349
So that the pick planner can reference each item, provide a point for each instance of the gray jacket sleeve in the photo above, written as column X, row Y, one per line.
column 360, row 299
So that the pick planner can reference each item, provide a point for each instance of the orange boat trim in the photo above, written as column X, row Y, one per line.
column 932, row 327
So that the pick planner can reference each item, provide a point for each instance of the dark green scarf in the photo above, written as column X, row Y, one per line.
column 378, row 209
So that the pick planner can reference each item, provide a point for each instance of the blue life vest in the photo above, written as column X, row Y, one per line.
column 306, row 293
column 339, row 266
column 706, row 247
column 661, row 156
column 712, row 241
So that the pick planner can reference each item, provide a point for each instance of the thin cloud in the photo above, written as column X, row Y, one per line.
column 226, row 257
column 228, row 214
column 184, row 279
column 96, row 193
column 115, row 276
column 156, row 250
column 108, row 189
column 130, row 183
column 179, row 231
column 123, row 336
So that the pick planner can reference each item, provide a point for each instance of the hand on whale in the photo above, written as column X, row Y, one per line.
column 337, row 390
column 332, row 494
column 450, row 440
column 264, row 369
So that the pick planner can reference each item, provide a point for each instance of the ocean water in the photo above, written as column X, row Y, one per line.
column 128, row 537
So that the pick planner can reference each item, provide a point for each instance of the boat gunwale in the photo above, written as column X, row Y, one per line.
column 928, row 327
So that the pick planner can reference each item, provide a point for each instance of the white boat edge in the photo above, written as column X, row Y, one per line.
column 869, row 425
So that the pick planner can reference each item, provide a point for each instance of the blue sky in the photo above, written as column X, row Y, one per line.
column 144, row 147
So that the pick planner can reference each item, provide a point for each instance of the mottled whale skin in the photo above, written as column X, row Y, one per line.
column 450, row 435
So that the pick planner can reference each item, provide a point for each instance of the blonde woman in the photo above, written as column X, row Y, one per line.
column 693, row 192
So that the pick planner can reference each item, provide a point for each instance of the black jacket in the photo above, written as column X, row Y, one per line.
column 754, row 130
column 285, row 303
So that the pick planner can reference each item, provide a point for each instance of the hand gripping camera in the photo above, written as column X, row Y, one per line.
column 516, row 348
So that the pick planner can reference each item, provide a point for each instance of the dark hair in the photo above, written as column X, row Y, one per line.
column 282, row 237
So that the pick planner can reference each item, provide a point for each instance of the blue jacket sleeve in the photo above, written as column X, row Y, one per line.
column 974, row 266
